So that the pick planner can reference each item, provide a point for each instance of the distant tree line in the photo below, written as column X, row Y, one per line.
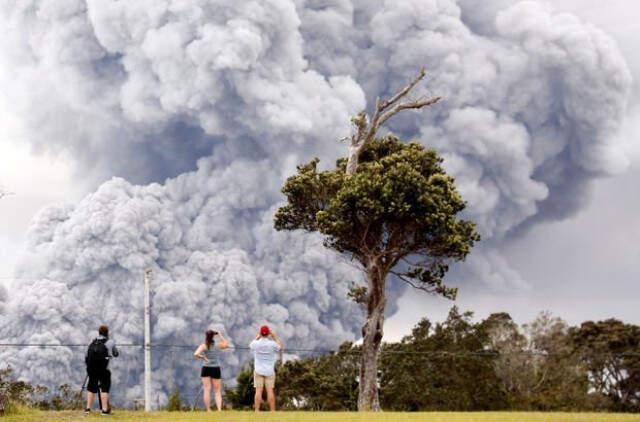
column 460, row 365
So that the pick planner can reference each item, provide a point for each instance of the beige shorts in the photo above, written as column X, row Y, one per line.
column 261, row 381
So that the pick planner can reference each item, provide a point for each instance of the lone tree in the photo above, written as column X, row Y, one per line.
column 390, row 207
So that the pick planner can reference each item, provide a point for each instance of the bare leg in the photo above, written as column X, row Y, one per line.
column 105, row 401
column 258, row 398
column 271, row 399
column 217, row 390
column 206, row 392
column 90, row 397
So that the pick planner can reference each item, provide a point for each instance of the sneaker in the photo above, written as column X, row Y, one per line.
column 106, row 413
column 87, row 411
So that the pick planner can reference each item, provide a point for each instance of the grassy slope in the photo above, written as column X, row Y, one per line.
column 330, row 417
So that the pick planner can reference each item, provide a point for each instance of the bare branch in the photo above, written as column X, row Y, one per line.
column 427, row 262
column 406, row 106
column 411, row 283
column 363, row 240
column 542, row 380
column 350, row 263
column 366, row 130
column 404, row 91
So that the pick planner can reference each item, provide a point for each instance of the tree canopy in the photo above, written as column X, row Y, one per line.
column 400, row 208
column 610, row 350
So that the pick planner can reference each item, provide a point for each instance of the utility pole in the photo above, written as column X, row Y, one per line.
column 147, row 340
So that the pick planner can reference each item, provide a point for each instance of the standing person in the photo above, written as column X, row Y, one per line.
column 210, row 372
column 100, row 351
column 265, row 349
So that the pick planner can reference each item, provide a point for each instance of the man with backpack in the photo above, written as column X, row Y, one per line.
column 99, row 352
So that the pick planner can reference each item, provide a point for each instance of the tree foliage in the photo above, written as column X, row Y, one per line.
column 536, row 363
column 15, row 393
column 399, row 208
column 322, row 383
column 66, row 397
column 439, row 367
column 174, row 403
column 493, row 364
column 610, row 350
column 241, row 396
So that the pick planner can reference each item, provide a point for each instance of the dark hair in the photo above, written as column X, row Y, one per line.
column 103, row 330
column 208, row 338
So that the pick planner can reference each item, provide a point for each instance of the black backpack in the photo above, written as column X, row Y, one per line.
column 97, row 355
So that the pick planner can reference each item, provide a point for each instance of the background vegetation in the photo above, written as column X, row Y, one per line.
column 456, row 365
column 329, row 417
column 459, row 365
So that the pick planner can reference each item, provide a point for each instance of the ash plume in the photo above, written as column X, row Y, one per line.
column 3, row 299
column 202, row 109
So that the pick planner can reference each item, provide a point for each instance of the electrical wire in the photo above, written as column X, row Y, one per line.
column 383, row 351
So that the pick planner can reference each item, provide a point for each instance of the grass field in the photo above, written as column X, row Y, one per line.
column 329, row 417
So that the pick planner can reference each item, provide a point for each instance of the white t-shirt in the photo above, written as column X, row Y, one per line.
column 265, row 354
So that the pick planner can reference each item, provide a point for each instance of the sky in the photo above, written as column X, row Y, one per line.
column 583, row 267
column 34, row 181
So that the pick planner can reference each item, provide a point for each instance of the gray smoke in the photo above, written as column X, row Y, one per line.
column 224, row 99
column 3, row 299
column 211, row 269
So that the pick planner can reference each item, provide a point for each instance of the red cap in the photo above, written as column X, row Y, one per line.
column 264, row 330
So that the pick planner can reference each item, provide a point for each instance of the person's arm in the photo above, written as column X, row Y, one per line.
column 275, row 338
column 198, row 353
column 252, row 345
column 114, row 350
column 223, row 344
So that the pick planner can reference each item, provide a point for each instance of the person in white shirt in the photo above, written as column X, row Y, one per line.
column 265, row 349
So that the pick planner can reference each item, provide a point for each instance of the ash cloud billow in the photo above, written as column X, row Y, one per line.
column 202, row 109
column 3, row 298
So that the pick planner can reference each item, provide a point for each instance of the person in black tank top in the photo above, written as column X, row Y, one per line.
column 210, row 374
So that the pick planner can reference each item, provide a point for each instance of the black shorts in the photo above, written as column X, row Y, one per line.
column 100, row 379
column 210, row 372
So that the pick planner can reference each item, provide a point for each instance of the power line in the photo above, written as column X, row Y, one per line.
column 383, row 351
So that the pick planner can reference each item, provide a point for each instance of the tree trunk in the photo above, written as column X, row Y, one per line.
column 352, row 162
column 372, row 332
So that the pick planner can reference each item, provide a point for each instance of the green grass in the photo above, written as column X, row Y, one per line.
column 229, row 416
